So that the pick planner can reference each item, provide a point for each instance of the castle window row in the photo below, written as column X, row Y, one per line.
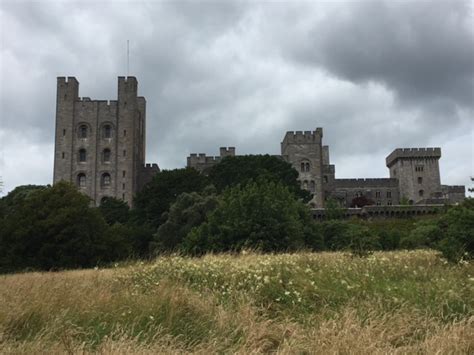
column 305, row 167
column 419, row 168
column 82, row 155
column 105, row 180
column 83, row 131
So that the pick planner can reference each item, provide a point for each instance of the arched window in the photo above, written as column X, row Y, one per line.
column 82, row 131
column 81, row 180
column 312, row 186
column 306, row 166
column 105, row 180
column 302, row 167
column 82, row 155
column 107, row 131
column 106, row 155
column 421, row 193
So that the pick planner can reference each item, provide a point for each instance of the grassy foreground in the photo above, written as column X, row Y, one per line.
column 397, row 302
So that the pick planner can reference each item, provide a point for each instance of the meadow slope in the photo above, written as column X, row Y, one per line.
column 390, row 302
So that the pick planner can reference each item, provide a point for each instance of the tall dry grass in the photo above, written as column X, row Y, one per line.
column 403, row 302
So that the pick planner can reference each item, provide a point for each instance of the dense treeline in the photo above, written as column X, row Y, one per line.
column 252, row 202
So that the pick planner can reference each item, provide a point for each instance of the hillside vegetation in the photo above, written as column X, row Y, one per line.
column 389, row 302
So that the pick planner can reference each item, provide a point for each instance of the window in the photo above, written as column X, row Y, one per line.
column 123, row 196
column 123, row 173
column 64, row 155
column 81, row 180
column 389, row 202
column 103, row 200
column 389, row 194
column 358, row 194
column 312, row 186
column 124, row 132
column 82, row 155
column 419, row 168
column 124, row 152
column 106, row 155
column 306, row 166
column 83, row 131
column 302, row 167
column 105, row 180
column 325, row 179
column 420, row 180
column 123, row 186
column 377, row 194
column 378, row 203
column 64, row 132
column 107, row 131
column 421, row 193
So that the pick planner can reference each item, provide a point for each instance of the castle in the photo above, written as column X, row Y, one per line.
column 99, row 144
column 414, row 174
column 100, row 147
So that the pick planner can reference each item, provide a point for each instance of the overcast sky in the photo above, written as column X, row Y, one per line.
column 376, row 75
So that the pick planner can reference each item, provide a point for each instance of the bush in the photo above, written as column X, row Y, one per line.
column 189, row 210
column 264, row 216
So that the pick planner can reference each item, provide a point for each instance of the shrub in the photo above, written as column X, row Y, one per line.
column 261, row 215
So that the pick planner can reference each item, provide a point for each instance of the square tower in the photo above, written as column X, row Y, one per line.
column 304, row 151
column 100, row 145
column 417, row 171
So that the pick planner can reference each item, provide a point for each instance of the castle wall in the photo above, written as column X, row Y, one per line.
column 383, row 192
column 112, row 162
column 417, row 170
column 202, row 163
column 303, row 150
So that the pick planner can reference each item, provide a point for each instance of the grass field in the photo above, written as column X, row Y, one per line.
column 397, row 302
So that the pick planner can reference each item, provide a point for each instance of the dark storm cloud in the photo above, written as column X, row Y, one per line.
column 375, row 75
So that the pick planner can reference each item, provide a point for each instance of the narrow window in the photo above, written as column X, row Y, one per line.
column 83, row 131
column 82, row 155
column 389, row 194
column 124, row 132
column 307, row 166
column 124, row 152
column 123, row 186
column 420, row 180
column 65, row 96
column 312, row 186
column 81, row 180
column 421, row 193
column 107, row 133
column 302, row 167
column 325, row 179
column 105, row 180
column 389, row 202
column 64, row 132
column 377, row 194
column 123, row 196
column 123, row 173
column 106, row 155
column 64, row 155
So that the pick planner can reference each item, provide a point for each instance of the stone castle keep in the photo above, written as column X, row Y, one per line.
column 100, row 147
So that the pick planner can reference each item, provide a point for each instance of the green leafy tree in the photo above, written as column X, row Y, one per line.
column 189, row 210
column 114, row 210
column 158, row 195
column 232, row 171
column 333, row 210
column 52, row 228
column 261, row 215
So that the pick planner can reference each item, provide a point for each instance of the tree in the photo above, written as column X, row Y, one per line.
column 232, row 171
column 52, row 228
column 114, row 210
column 158, row 195
column 261, row 215
column 190, row 210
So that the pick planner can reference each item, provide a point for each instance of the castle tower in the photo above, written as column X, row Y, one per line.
column 100, row 145
column 304, row 151
column 417, row 171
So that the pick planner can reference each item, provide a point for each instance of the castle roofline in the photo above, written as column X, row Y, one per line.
column 412, row 153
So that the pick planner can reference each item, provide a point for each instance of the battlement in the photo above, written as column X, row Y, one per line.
column 366, row 183
column 67, row 80
column 300, row 137
column 412, row 153
column 202, row 158
column 227, row 151
column 453, row 189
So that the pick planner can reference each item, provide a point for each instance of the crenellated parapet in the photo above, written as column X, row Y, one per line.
column 412, row 153
column 303, row 137
column 366, row 183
